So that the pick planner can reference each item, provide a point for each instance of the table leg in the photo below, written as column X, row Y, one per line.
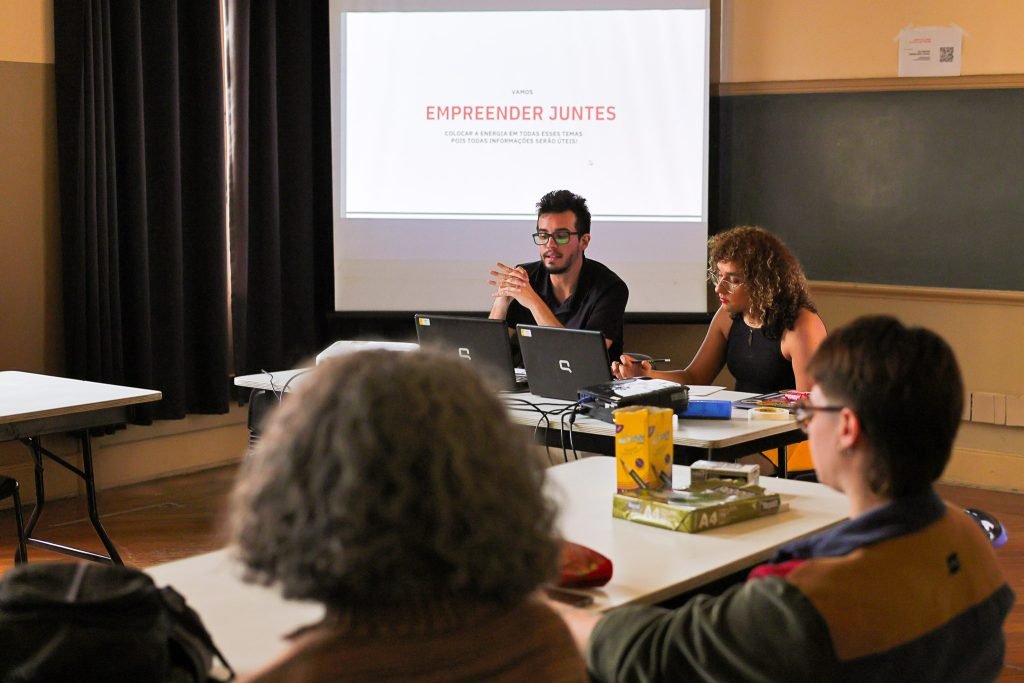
column 21, row 554
column 782, row 469
column 37, row 471
column 90, row 497
column 88, row 476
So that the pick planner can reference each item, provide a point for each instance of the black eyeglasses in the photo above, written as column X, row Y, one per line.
column 729, row 284
column 803, row 411
column 561, row 237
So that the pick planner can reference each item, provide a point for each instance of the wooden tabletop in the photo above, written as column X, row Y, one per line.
column 27, row 396
column 653, row 564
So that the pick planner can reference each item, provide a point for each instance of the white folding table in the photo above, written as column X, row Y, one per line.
column 33, row 406
column 695, row 439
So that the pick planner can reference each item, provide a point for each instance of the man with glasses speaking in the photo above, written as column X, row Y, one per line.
column 563, row 288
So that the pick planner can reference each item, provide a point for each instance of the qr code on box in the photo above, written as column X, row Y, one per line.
column 946, row 54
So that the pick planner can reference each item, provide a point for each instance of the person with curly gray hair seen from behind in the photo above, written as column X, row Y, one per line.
column 392, row 488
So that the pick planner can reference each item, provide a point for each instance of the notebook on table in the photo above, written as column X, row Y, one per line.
column 480, row 341
column 559, row 361
column 786, row 400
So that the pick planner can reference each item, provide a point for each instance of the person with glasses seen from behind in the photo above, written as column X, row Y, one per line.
column 563, row 288
column 908, row 588
column 765, row 329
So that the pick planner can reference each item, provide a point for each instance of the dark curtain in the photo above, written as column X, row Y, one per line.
column 280, row 181
column 142, row 194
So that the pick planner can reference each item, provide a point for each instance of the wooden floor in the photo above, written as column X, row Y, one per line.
column 150, row 523
column 182, row 516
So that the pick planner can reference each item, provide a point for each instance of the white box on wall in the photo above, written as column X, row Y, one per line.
column 1015, row 411
column 983, row 407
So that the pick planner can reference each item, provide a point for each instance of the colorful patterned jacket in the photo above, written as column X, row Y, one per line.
column 910, row 591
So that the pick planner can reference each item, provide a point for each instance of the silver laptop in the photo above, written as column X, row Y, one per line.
column 559, row 361
column 484, row 343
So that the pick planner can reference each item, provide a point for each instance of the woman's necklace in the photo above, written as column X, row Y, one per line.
column 750, row 331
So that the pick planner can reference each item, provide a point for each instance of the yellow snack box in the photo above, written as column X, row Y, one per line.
column 643, row 448
column 661, row 438
column 632, row 450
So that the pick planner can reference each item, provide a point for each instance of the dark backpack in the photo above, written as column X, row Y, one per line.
column 92, row 622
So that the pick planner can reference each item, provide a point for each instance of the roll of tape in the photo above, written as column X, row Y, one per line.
column 766, row 413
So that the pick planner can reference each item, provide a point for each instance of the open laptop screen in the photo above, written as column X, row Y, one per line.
column 480, row 341
column 559, row 361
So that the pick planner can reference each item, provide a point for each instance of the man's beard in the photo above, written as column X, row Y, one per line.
column 562, row 269
column 555, row 271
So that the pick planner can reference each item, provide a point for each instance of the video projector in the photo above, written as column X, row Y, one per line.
column 598, row 401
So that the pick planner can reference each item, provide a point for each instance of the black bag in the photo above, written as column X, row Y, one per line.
column 92, row 622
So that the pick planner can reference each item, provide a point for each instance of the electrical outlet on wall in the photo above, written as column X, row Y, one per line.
column 983, row 407
column 988, row 407
column 1014, row 411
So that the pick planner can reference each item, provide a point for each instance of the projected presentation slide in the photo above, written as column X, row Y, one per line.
column 613, row 101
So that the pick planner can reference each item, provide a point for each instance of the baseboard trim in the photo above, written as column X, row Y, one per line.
column 134, row 461
column 968, row 466
column 985, row 469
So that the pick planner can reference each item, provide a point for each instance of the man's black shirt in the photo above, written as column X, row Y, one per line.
column 599, row 302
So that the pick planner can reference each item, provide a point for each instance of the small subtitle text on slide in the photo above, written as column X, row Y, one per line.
column 513, row 137
column 490, row 112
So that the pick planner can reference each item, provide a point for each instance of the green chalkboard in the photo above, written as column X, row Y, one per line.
column 914, row 188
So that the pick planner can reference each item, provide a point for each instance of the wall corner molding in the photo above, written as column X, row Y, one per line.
column 913, row 293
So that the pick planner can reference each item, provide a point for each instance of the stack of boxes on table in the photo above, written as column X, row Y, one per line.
column 719, row 493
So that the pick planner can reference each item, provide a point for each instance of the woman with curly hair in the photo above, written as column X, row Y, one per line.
column 766, row 328
column 392, row 488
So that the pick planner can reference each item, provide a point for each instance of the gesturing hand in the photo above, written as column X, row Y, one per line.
column 511, row 282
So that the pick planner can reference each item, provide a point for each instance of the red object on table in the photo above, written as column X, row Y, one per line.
column 583, row 567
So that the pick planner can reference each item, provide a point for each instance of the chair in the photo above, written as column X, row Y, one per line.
column 990, row 525
column 261, row 403
column 9, row 489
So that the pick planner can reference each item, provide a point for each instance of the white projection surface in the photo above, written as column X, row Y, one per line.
column 448, row 126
